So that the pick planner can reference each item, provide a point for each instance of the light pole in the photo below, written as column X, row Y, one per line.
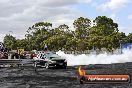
column 120, row 46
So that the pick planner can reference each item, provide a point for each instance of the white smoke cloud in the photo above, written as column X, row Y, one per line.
column 84, row 59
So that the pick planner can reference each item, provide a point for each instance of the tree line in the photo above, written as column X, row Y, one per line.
column 102, row 32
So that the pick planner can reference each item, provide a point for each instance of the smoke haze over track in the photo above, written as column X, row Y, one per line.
column 105, row 58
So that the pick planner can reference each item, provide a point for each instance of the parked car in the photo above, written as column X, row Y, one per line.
column 50, row 59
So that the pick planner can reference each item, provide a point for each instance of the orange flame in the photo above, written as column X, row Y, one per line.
column 81, row 71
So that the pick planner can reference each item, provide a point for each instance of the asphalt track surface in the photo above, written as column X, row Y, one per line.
column 30, row 77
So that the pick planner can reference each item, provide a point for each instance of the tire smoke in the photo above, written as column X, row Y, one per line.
column 105, row 58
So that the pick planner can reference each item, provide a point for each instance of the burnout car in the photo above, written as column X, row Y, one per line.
column 50, row 59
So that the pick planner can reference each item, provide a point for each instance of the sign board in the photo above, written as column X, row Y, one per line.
column 20, row 51
column 127, row 46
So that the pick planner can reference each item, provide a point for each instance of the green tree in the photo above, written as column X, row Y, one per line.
column 105, row 25
column 103, row 34
column 81, row 26
column 10, row 42
column 129, row 38
column 38, row 33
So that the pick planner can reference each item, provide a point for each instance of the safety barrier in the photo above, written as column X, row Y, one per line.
column 16, row 61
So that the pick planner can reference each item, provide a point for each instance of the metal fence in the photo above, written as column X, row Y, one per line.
column 16, row 62
column 117, row 51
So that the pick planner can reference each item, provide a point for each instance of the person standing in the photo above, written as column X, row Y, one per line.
column 45, row 47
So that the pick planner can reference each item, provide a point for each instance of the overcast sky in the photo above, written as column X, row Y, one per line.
column 17, row 15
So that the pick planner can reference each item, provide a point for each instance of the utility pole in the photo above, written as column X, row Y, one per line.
column 120, row 46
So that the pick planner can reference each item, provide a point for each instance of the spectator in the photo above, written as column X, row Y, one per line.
column 45, row 47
